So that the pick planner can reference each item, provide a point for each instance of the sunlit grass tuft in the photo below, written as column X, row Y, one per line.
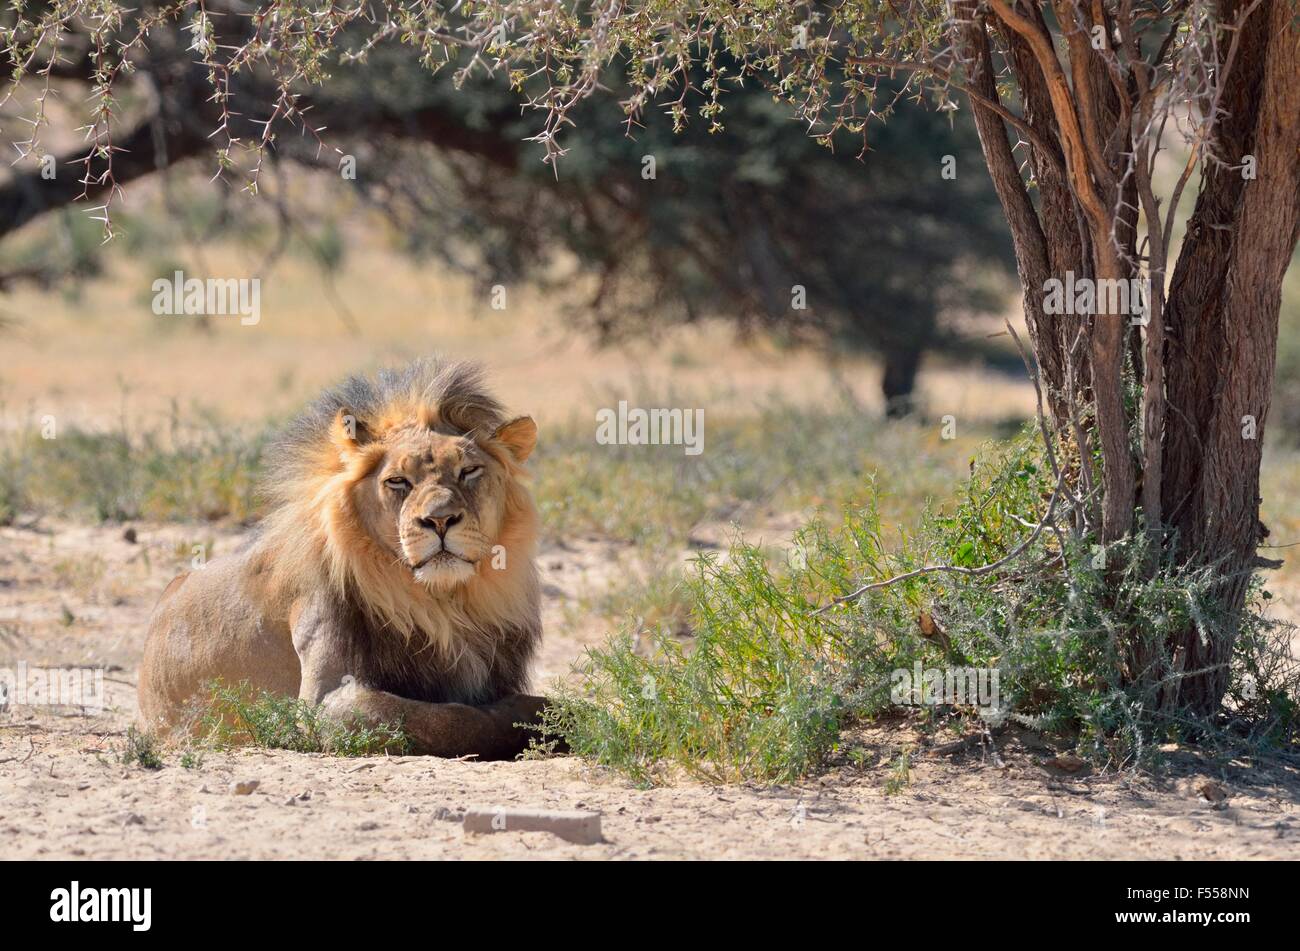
column 140, row 749
column 237, row 715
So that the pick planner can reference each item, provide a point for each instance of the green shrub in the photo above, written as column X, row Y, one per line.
column 237, row 715
column 1077, row 637
column 140, row 749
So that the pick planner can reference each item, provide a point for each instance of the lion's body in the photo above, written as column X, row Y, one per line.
column 339, row 586
column 220, row 622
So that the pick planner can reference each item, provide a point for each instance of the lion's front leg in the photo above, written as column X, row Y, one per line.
column 434, row 729
column 443, row 729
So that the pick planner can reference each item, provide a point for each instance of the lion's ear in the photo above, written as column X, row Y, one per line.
column 519, row 435
column 347, row 432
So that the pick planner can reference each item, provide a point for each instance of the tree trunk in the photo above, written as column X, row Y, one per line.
column 901, row 364
column 1223, row 320
column 1208, row 370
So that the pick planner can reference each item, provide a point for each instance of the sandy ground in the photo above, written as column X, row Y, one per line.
column 77, row 595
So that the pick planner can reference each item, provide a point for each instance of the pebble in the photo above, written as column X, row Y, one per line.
column 581, row 828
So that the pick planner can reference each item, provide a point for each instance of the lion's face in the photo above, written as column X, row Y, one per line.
column 437, row 499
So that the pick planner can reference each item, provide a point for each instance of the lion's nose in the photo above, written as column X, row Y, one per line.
column 441, row 523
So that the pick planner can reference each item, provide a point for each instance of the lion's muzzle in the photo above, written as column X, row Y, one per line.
column 434, row 547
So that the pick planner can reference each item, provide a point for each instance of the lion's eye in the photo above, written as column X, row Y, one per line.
column 469, row 472
column 397, row 484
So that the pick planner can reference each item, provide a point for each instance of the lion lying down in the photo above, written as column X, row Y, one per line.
column 393, row 580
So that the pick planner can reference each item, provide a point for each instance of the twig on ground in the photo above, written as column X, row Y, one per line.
column 987, row 737
column 957, row 746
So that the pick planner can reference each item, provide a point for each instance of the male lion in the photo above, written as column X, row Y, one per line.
column 393, row 579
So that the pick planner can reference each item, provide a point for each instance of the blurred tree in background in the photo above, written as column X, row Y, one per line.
column 751, row 223
column 756, row 224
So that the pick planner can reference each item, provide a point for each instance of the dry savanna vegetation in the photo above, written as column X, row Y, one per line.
column 653, row 561
column 958, row 561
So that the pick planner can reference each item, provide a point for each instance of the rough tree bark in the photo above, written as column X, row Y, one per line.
column 1223, row 320
column 1206, row 357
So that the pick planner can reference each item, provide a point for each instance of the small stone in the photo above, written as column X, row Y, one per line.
column 368, row 826
column 244, row 787
column 1067, row 762
column 581, row 828
column 129, row 535
column 1213, row 791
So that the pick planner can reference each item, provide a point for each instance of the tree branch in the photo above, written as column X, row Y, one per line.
column 955, row 569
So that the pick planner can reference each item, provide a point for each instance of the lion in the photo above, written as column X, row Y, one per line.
column 393, row 578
